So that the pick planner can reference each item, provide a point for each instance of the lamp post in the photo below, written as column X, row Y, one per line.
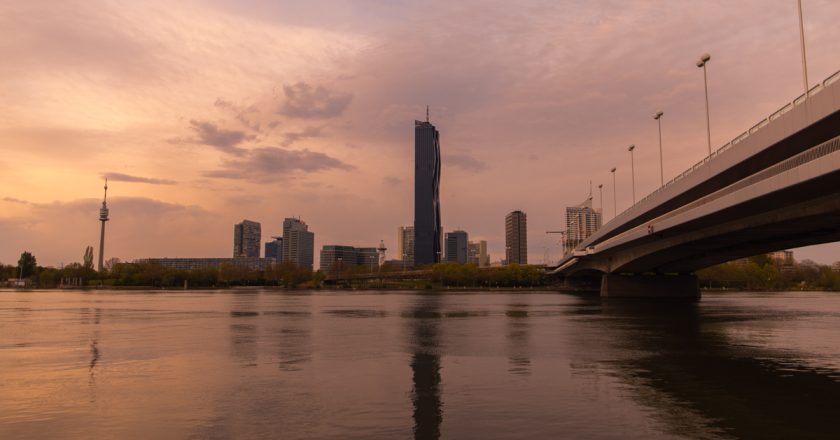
column 632, row 172
column 802, row 42
column 601, row 196
column 658, row 117
column 615, row 203
column 702, row 63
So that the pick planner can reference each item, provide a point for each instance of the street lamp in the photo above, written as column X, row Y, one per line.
column 601, row 196
column 632, row 172
column 658, row 117
column 615, row 203
column 702, row 63
column 802, row 42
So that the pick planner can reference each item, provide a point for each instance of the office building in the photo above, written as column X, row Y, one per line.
column 456, row 247
column 335, row 258
column 298, row 243
column 427, row 230
column 405, row 244
column 516, row 238
column 581, row 222
column 274, row 249
column 368, row 257
column 477, row 253
column 209, row 263
column 246, row 239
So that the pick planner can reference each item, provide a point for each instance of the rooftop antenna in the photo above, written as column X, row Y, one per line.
column 590, row 190
column 427, row 112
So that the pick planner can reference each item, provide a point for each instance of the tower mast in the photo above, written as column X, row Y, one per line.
column 103, row 217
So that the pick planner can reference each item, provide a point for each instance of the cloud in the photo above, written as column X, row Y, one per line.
column 464, row 161
column 14, row 200
column 308, row 102
column 267, row 164
column 224, row 140
column 292, row 137
column 120, row 177
column 392, row 180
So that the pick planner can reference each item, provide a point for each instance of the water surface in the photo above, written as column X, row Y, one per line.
column 321, row 365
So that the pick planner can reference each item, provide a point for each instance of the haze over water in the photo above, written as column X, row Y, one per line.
column 267, row 364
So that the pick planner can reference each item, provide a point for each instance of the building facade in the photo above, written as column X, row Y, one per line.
column 456, row 247
column 274, row 249
column 298, row 243
column 516, row 238
column 336, row 258
column 246, row 239
column 477, row 253
column 427, row 229
column 405, row 244
column 209, row 263
column 581, row 222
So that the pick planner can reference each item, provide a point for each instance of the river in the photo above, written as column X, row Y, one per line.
column 402, row 365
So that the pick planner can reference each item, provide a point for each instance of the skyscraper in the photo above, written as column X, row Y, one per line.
column 581, row 222
column 246, row 239
column 427, row 237
column 516, row 238
column 298, row 243
column 405, row 244
column 456, row 247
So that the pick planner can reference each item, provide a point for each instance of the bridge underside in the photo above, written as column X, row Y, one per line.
column 799, row 215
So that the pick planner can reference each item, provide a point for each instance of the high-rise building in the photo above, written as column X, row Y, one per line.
column 298, row 243
column 516, row 238
column 477, row 253
column 405, row 244
column 427, row 230
column 274, row 249
column 581, row 222
column 246, row 239
column 456, row 247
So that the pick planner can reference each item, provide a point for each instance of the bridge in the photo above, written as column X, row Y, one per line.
column 776, row 186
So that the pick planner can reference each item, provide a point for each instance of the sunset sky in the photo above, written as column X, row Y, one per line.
column 205, row 113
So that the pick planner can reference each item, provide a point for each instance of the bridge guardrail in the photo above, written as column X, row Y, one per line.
column 741, row 137
column 806, row 156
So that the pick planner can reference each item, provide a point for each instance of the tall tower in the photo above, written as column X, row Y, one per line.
column 103, row 217
column 516, row 238
column 427, row 230
column 381, row 252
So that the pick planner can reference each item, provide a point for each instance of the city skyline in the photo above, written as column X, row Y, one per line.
column 187, row 152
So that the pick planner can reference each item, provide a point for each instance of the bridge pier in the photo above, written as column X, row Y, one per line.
column 650, row 286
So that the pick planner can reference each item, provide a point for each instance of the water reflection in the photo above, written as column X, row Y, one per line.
column 517, row 336
column 291, row 332
column 687, row 364
column 424, row 319
column 244, row 316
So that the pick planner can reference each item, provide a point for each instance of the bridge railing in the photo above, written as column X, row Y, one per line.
column 741, row 137
column 823, row 149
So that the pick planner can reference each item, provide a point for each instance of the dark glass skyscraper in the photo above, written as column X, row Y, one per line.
column 427, row 238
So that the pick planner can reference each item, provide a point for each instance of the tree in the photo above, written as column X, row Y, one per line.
column 88, row 259
column 26, row 265
column 111, row 263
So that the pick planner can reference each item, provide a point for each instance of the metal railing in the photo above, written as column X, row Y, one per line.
column 809, row 155
column 741, row 137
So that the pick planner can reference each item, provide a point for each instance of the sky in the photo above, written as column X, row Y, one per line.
column 203, row 113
